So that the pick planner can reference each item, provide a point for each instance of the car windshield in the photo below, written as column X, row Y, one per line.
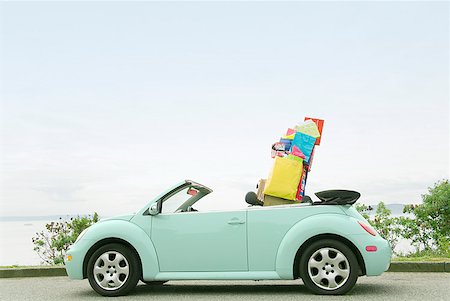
column 174, row 202
column 181, row 198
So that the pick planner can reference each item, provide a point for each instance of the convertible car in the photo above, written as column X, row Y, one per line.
column 327, row 244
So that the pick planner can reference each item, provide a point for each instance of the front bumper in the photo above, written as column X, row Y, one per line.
column 75, row 257
column 375, row 262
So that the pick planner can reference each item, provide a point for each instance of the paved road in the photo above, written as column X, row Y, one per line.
column 389, row 286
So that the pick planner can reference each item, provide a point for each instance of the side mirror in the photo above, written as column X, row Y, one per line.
column 153, row 210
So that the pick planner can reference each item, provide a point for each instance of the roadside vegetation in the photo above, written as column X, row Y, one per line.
column 52, row 243
column 426, row 226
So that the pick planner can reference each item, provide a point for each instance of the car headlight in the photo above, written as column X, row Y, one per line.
column 81, row 235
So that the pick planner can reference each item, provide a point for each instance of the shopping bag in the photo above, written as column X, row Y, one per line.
column 275, row 201
column 284, row 178
column 278, row 149
column 302, row 185
column 297, row 152
column 311, row 158
column 296, row 158
column 309, row 127
column 305, row 143
column 319, row 123
column 290, row 133
column 287, row 143
column 260, row 187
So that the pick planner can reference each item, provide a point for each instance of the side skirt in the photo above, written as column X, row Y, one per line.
column 254, row 275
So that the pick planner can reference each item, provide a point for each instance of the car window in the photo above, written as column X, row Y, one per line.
column 171, row 204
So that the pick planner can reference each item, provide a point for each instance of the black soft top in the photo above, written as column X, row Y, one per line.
column 337, row 197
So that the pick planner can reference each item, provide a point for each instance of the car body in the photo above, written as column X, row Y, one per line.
column 169, row 240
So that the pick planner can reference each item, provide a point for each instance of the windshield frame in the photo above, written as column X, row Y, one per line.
column 202, row 191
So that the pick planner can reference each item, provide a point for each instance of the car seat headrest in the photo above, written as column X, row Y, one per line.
column 252, row 199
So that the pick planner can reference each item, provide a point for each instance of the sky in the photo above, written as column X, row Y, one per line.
column 106, row 104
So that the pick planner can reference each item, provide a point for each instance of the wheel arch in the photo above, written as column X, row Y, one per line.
column 353, row 248
column 105, row 241
column 127, row 234
column 338, row 226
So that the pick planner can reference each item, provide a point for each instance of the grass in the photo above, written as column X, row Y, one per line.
column 424, row 255
column 28, row 266
column 421, row 259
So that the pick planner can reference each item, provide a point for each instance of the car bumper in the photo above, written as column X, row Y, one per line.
column 378, row 261
column 75, row 257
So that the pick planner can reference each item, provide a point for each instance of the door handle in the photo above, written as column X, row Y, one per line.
column 235, row 221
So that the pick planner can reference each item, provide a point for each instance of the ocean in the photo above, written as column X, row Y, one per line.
column 16, row 247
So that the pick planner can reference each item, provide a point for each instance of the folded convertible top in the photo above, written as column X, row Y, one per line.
column 337, row 197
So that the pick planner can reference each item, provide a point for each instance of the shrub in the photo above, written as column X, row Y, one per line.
column 52, row 243
column 429, row 228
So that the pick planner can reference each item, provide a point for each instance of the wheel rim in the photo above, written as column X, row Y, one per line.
column 111, row 270
column 328, row 268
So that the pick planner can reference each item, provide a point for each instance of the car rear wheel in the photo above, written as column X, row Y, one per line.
column 329, row 267
column 113, row 270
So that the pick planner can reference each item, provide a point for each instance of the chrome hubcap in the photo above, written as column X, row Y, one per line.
column 111, row 270
column 328, row 268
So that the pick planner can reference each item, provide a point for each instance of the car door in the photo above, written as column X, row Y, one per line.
column 200, row 241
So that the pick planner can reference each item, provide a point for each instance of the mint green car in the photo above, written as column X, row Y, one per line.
column 327, row 244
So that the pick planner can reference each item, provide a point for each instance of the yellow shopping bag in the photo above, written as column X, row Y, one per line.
column 284, row 178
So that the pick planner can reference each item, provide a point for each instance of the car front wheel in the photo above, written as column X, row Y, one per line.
column 329, row 267
column 113, row 270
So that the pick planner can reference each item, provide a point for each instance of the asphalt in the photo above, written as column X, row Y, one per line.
column 389, row 286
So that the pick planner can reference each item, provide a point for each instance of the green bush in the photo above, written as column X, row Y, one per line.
column 52, row 243
column 427, row 226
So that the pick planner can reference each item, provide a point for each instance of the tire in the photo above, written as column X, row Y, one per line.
column 113, row 270
column 328, row 267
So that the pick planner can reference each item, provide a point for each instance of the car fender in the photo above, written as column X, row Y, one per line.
column 326, row 223
column 132, row 234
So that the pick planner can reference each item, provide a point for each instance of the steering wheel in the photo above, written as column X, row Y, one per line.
column 191, row 209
